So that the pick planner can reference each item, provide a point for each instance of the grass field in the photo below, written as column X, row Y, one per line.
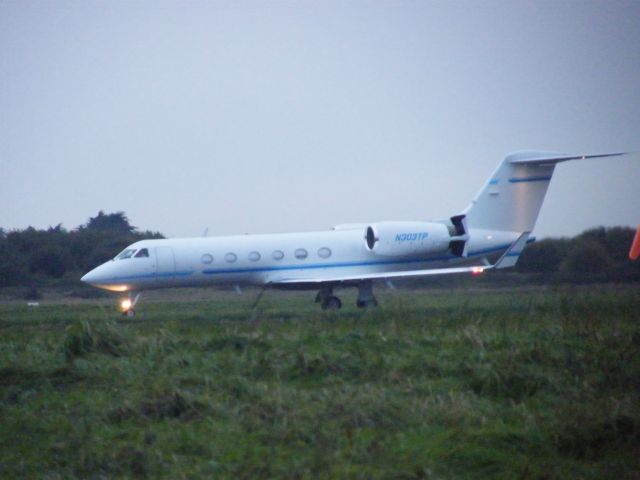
column 540, row 383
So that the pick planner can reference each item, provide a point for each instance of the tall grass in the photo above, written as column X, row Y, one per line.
column 530, row 384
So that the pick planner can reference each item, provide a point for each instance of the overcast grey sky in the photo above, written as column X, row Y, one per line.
column 284, row 116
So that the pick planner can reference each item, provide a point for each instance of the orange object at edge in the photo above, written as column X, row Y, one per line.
column 635, row 246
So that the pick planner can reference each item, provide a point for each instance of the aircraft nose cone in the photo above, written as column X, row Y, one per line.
column 94, row 276
column 106, row 277
column 87, row 277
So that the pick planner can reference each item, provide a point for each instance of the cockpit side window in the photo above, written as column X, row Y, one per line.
column 142, row 253
column 126, row 254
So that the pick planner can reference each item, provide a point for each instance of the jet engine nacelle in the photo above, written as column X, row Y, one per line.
column 396, row 239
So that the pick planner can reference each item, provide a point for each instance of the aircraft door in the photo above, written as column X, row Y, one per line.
column 165, row 263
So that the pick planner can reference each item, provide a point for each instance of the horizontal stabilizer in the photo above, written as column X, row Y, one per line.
column 548, row 158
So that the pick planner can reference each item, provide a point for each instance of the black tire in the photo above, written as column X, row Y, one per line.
column 331, row 303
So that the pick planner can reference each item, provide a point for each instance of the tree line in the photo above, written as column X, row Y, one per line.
column 35, row 257
column 595, row 254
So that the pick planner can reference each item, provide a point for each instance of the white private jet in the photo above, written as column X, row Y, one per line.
column 489, row 234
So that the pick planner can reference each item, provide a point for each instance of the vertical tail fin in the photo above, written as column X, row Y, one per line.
column 512, row 197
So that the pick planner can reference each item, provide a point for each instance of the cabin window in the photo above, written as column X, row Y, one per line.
column 301, row 254
column 126, row 254
column 206, row 258
column 230, row 257
column 254, row 256
column 277, row 254
column 142, row 253
column 324, row 252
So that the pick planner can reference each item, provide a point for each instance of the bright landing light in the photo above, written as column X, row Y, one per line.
column 125, row 304
column 477, row 270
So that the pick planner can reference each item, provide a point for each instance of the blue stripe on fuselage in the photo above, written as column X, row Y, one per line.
column 348, row 264
column 301, row 267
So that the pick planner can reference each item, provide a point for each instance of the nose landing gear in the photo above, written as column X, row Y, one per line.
column 128, row 304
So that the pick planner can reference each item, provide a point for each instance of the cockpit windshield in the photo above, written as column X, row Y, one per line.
column 128, row 253
column 133, row 253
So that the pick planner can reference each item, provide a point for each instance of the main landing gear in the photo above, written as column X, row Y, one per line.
column 128, row 304
column 365, row 295
column 328, row 301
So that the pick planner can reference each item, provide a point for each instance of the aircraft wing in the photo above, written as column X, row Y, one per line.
column 513, row 251
column 375, row 276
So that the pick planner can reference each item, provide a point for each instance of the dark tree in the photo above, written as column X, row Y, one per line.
column 617, row 243
column 587, row 256
column 51, row 261
column 55, row 252
column 13, row 266
column 542, row 257
column 110, row 222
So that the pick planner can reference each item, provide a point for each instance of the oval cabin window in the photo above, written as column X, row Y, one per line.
column 324, row 252
column 301, row 254
column 278, row 255
column 254, row 256
column 206, row 258
column 230, row 257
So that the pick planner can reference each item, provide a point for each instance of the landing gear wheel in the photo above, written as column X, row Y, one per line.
column 331, row 303
column 128, row 305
